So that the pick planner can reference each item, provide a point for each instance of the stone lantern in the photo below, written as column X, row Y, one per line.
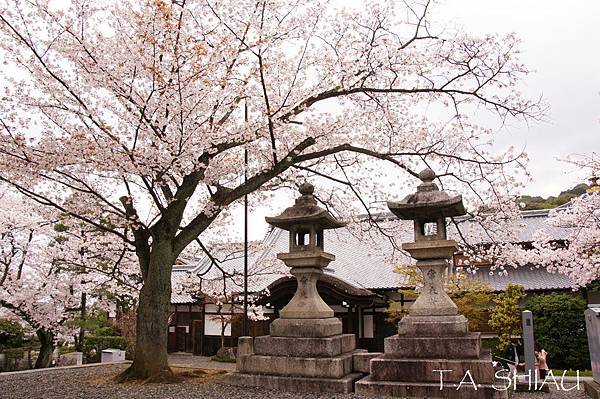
column 428, row 208
column 433, row 338
column 306, row 221
column 305, row 350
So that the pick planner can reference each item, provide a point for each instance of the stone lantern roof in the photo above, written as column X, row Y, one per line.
column 428, row 202
column 305, row 211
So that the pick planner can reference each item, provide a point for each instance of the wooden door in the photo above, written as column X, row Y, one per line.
column 180, row 338
column 198, row 336
column 172, row 343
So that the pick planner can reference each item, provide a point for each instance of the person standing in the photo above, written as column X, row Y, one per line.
column 541, row 362
column 511, row 356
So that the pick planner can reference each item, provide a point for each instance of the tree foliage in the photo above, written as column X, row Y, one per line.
column 528, row 202
column 505, row 317
column 577, row 252
column 45, row 271
column 11, row 334
column 96, row 323
column 472, row 297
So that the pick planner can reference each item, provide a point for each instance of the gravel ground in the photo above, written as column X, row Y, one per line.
column 189, row 360
column 95, row 383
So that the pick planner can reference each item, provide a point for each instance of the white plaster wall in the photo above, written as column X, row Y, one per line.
column 368, row 326
column 212, row 326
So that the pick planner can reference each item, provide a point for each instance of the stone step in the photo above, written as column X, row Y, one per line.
column 304, row 347
column 467, row 346
column 433, row 326
column 296, row 384
column 317, row 367
column 384, row 368
column 362, row 360
column 368, row 387
column 306, row 328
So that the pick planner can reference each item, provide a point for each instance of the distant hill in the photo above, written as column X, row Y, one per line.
column 552, row 202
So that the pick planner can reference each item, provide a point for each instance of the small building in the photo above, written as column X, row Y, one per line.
column 358, row 285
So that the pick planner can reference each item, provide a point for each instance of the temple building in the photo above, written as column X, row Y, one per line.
column 359, row 285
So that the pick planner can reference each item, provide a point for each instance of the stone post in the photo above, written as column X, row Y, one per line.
column 306, row 302
column 433, row 301
column 592, row 324
column 528, row 344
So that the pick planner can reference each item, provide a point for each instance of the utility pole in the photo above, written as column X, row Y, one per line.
column 245, row 319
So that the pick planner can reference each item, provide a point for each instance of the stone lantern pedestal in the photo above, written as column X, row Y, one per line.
column 434, row 355
column 306, row 350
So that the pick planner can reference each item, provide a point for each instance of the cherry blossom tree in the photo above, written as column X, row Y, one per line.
column 578, row 254
column 30, row 287
column 107, row 268
column 131, row 113
column 41, row 277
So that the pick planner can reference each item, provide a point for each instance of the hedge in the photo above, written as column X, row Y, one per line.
column 559, row 328
column 93, row 346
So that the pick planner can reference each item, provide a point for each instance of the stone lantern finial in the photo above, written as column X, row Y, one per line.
column 427, row 175
column 306, row 188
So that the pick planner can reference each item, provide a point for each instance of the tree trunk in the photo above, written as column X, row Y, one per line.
column 46, row 338
column 79, row 342
column 223, row 326
column 150, row 361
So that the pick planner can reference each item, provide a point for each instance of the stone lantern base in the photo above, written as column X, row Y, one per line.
column 293, row 363
column 432, row 340
column 410, row 367
column 437, row 326
column 306, row 350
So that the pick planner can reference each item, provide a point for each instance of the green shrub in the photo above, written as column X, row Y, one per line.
column 11, row 334
column 95, row 323
column 505, row 317
column 559, row 328
column 93, row 346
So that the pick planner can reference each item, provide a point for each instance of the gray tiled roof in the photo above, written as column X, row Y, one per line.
column 356, row 262
column 369, row 263
column 180, row 299
column 532, row 278
column 530, row 222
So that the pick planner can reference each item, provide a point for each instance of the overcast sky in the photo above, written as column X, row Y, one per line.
column 561, row 44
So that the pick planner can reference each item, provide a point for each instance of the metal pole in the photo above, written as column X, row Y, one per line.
column 245, row 320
